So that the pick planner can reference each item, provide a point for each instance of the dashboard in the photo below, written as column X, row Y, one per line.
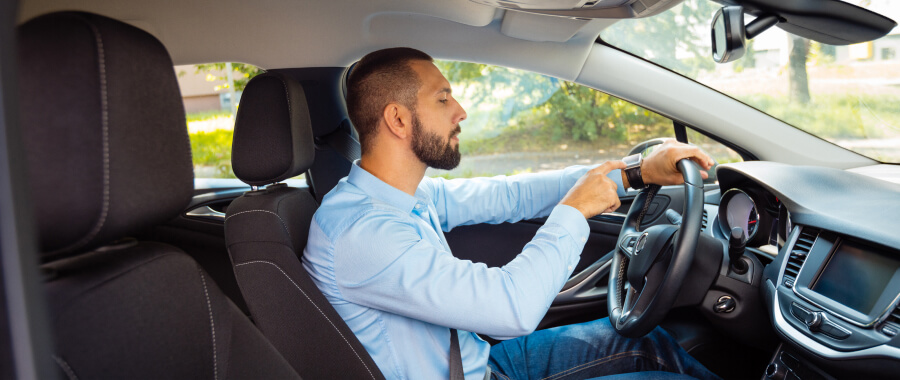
column 833, row 290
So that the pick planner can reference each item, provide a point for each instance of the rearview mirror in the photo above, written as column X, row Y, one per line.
column 728, row 38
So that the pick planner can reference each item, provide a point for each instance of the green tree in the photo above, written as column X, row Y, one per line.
column 242, row 72
column 684, row 49
column 547, row 109
column 799, row 80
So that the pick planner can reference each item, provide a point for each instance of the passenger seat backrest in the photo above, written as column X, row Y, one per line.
column 266, row 232
column 107, row 155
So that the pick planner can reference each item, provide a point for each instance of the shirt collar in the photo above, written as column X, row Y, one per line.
column 378, row 189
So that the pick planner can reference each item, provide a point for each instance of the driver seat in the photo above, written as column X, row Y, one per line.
column 266, row 231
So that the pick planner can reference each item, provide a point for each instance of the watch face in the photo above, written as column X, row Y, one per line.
column 631, row 160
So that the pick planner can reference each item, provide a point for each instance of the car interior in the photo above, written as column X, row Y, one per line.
column 116, row 263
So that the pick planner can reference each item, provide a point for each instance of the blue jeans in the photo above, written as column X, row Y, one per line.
column 593, row 349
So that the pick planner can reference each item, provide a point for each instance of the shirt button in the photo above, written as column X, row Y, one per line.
column 583, row 239
column 570, row 267
column 418, row 206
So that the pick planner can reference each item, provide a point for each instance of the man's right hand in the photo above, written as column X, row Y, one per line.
column 595, row 193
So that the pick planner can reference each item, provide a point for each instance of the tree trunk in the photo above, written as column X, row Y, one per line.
column 799, row 82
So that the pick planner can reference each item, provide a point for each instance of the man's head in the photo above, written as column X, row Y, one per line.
column 401, row 92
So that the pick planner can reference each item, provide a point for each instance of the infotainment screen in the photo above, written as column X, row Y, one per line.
column 856, row 276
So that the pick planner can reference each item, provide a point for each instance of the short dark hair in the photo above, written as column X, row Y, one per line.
column 378, row 79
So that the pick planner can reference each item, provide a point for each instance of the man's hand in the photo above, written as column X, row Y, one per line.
column 595, row 193
column 660, row 166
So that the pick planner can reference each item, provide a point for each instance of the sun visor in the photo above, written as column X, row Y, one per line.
column 540, row 28
column 614, row 9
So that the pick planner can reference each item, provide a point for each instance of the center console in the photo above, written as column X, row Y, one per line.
column 835, row 304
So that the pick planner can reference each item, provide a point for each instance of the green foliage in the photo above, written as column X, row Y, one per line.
column 821, row 54
column 242, row 72
column 580, row 113
column 206, row 115
column 213, row 149
column 669, row 38
column 538, row 113
column 835, row 116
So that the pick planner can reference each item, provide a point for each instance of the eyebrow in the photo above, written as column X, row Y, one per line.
column 445, row 90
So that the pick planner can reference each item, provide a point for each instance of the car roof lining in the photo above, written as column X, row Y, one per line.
column 286, row 33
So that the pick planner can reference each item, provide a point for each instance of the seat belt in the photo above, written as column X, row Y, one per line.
column 343, row 142
column 456, row 367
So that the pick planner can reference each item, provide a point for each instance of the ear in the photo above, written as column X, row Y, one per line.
column 398, row 119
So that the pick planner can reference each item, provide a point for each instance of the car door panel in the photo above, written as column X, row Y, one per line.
column 583, row 298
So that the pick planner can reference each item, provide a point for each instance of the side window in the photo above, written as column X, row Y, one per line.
column 521, row 122
column 718, row 151
column 211, row 94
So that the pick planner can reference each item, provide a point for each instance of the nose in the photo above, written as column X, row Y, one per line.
column 460, row 113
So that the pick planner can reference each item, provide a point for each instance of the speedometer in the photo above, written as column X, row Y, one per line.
column 737, row 209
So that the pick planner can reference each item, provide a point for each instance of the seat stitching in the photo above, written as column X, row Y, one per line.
column 287, row 94
column 212, row 326
column 278, row 216
column 104, row 123
column 314, row 304
column 65, row 367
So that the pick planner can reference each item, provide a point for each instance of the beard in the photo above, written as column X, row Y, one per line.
column 431, row 148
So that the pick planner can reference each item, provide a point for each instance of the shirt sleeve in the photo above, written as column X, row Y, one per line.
column 381, row 262
column 503, row 198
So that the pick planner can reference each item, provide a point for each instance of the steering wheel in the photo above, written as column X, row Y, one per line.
column 649, row 266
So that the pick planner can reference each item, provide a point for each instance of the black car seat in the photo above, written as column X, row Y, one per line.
column 107, row 156
column 266, row 231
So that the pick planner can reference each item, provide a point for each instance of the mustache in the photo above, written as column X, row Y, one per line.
column 456, row 131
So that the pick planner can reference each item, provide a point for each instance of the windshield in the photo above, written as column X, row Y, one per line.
column 848, row 95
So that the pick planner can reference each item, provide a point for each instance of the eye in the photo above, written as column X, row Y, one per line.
column 443, row 101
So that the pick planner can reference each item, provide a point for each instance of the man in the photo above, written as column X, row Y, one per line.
column 377, row 251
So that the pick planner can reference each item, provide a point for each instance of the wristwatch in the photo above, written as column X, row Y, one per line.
column 633, row 171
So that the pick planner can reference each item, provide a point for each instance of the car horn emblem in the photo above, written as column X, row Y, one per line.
column 641, row 242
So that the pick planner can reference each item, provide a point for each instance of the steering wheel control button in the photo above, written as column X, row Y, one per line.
column 628, row 244
column 641, row 242
column 725, row 304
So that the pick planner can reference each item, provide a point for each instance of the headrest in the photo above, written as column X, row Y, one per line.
column 105, row 138
column 273, row 138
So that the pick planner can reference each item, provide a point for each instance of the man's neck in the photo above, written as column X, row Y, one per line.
column 403, row 173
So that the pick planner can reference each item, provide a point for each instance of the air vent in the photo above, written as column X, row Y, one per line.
column 798, row 255
column 705, row 221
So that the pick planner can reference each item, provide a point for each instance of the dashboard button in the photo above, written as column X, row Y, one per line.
column 834, row 331
column 802, row 314
column 889, row 330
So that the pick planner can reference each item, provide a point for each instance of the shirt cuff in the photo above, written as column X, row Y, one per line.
column 572, row 220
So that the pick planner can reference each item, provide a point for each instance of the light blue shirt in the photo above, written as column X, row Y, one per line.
column 380, row 257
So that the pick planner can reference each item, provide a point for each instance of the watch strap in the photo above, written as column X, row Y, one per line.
column 633, row 171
